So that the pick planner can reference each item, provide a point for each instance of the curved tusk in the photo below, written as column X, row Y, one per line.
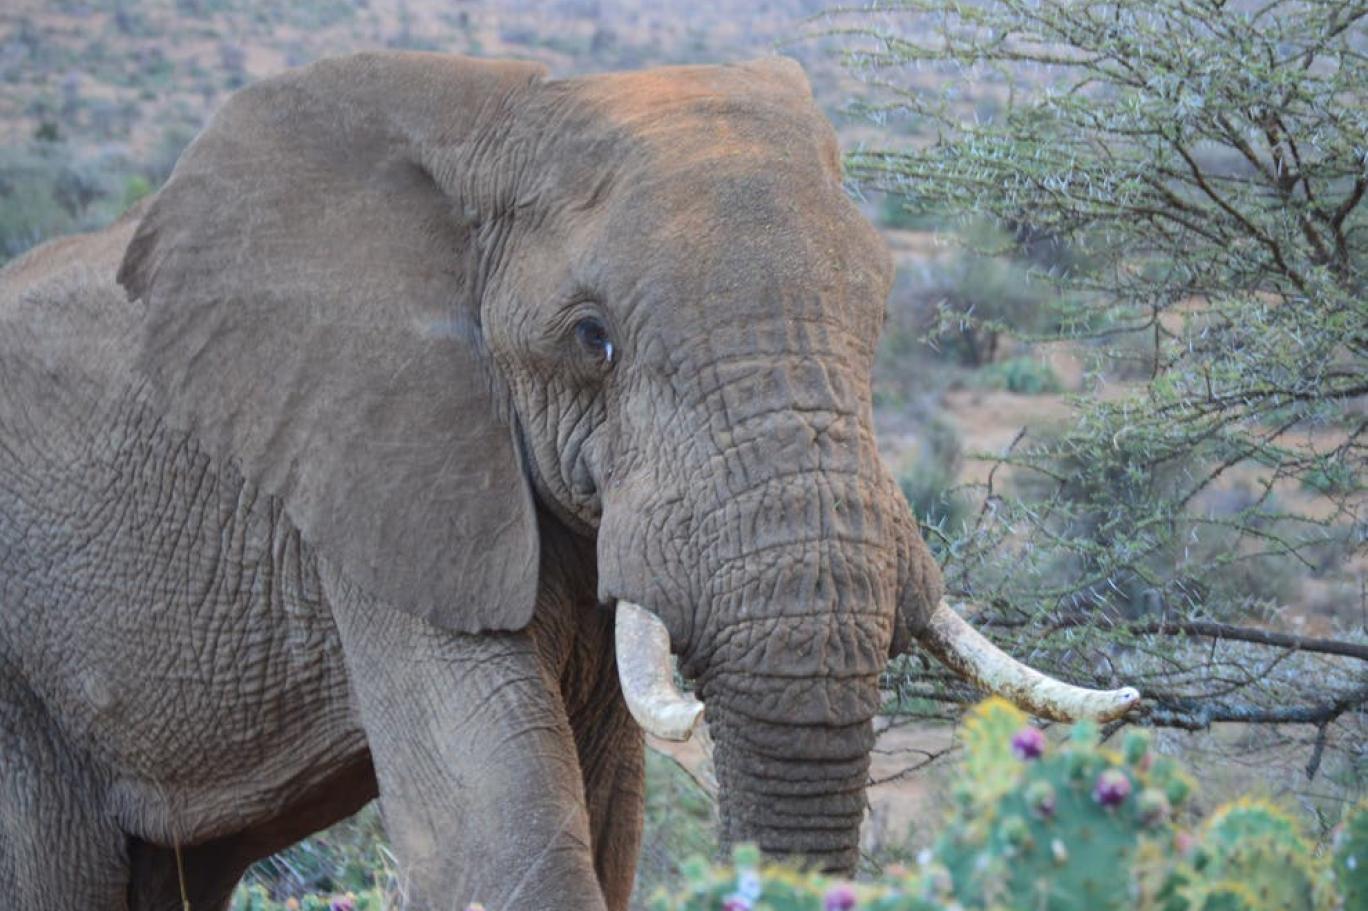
column 647, row 675
column 965, row 651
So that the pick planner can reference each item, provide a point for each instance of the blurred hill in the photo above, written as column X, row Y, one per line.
column 98, row 97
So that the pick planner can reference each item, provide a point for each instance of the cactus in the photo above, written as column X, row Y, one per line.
column 1351, row 858
column 1036, row 827
column 1072, row 829
column 1259, row 847
column 747, row 884
column 1224, row 896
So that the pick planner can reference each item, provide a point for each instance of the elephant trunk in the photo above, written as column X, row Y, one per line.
column 796, row 791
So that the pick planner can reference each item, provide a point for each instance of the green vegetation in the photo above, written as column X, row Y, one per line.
column 1068, row 827
column 1022, row 374
column 47, row 189
column 927, row 480
column 680, row 823
column 1185, row 182
column 349, row 858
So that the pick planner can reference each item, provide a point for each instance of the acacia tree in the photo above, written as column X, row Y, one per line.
column 1205, row 165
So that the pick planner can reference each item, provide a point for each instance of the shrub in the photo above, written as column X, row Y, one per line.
column 349, row 858
column 1067, row 827
column 927, row 480
column 1024, row 375
column 1182, row 176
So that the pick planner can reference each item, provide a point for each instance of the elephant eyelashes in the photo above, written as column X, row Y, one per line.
column 593, row 336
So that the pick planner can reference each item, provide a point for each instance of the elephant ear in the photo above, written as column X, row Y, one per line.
column 311, row 281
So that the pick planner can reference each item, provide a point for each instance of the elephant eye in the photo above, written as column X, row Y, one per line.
column 593, row 336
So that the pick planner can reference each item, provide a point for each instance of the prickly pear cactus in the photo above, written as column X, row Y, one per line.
column 1254, row 848
column 748, row 885
column 1225, row 896
column 1351, row 858
column 1070, row 828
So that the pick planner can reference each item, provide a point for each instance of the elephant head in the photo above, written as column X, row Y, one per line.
column 425, row 299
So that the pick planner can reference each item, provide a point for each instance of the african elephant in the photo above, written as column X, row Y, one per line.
column 324, row 474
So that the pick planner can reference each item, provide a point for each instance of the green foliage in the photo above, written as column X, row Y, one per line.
column 257, row 898
column 46, row 189
column 894, row 214
column 1351, row 857
column 747, row 884
column 1068, row 830
column 962, row 306
column 1186, row 181
column 49, row 188
column 1252, row 849
column 1035, row 826
column 350, row 857
column 680, row 823
column 1064, row 827
column 927, row 480
column 1023, row 375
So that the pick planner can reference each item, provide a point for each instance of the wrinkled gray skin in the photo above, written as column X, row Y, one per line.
column 314, row 486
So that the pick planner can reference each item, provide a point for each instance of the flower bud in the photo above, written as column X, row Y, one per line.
column 1112, row 788
column 840, row 897
column 1028, row 743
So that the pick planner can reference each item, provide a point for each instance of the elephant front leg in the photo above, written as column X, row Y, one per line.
column 58, row 848
column 479, row 779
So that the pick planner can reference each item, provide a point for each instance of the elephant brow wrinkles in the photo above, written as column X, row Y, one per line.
column 762, row 363
column 838, row 415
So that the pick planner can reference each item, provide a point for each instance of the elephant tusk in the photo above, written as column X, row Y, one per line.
column 967, row 652
column 647, row 675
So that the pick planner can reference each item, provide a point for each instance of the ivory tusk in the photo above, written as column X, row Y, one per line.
column 647, row 675
column 965, row 651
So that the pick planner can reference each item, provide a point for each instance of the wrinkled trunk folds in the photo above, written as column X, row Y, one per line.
column 797, row 791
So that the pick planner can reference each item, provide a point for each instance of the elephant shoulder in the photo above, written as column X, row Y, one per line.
column 60, row 303
column 68, row 333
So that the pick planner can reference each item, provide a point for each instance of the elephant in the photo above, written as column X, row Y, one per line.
column 396, row 446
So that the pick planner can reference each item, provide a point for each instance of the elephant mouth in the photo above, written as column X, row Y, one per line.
column 646, row 673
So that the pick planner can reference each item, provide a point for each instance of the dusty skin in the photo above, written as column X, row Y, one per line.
column 321, row 473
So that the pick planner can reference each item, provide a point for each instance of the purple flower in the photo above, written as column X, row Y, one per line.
column 735, row 903
column 1112, row 788
column 342, row 903
column 1028, row 744
column 840, row 897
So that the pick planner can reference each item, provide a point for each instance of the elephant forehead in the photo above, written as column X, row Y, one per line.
column 710, row 184
column 752, row 237
column 678, row 116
